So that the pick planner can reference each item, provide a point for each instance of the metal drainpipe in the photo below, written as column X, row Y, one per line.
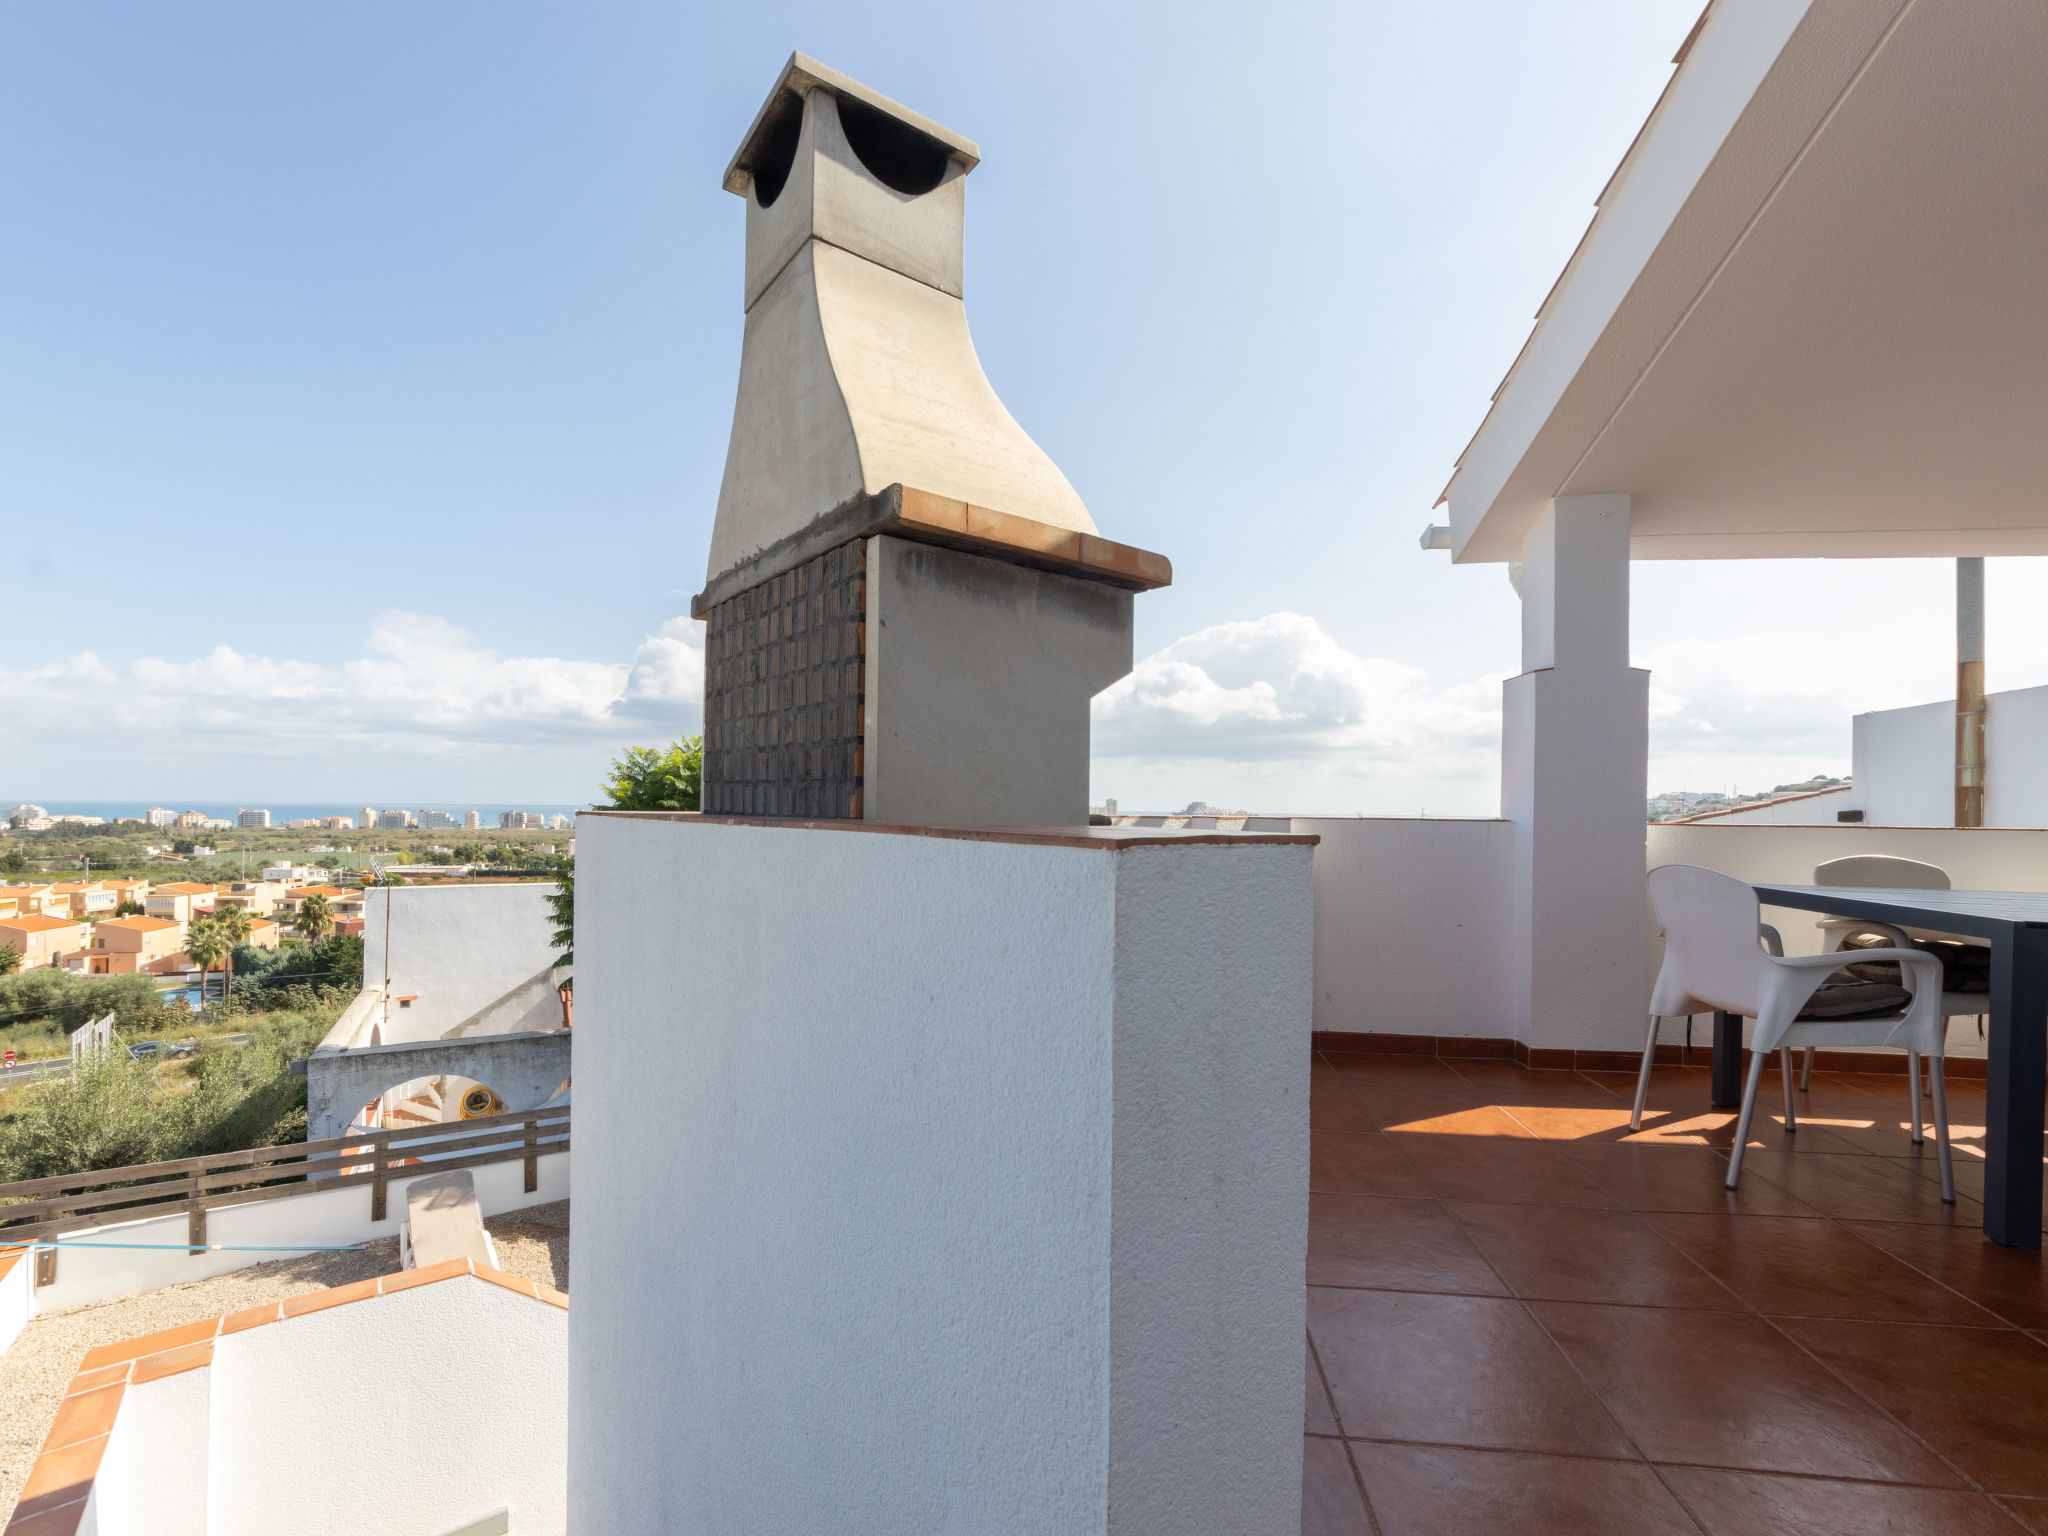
column 1970, row 691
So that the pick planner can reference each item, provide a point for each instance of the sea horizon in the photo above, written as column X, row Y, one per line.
column 281, row 812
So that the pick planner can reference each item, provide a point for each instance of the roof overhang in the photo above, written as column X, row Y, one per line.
column 1809, row 317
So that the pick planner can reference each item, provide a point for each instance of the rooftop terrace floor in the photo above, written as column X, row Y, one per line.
column 1523, row 1319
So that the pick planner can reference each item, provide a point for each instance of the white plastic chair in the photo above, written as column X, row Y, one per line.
column 1886, row 871
column 1713, row 962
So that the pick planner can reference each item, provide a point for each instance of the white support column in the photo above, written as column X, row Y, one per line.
column 1574, row 743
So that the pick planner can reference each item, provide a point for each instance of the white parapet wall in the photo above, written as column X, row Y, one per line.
column 947, row 1183
column 1413, row 925
column 1413, row 917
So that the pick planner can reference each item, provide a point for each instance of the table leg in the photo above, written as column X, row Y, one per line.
column 1727, row 1080
column 2013, row 1089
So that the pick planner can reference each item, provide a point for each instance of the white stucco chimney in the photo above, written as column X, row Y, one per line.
column 875, row 482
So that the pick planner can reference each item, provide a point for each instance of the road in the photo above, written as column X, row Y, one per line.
column 60, row 1066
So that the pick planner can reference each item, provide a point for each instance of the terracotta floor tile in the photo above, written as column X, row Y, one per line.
column 1724, row 1389
column 1385, row 1068
column 1670, row 1178
column 1427, row 1490
column 1558, row 1253
column 1786, row 1267
column 1969, row 1173
column 1395, row 1245
column 1528, row 1171
column 1511, row 1084
column 1457, row 1370
column 1767, row 1132
column 1979, row 1396
column 1335, row 1106
column 1330, row 1505
column 1760, row 1504
column 2031, row 1513
column 1316, row 1419
column 1858, row 1188
column 2012, row 1282
column 1359, row 1163
column 1446, row 1114
column 1599, row 1123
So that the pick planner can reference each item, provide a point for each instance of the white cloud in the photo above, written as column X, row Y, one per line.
column 1277, row 711
column 424, row 687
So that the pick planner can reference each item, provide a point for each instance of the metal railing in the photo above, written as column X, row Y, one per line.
column 34, row 1210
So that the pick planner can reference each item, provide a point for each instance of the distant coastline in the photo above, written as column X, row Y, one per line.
column 283, row 811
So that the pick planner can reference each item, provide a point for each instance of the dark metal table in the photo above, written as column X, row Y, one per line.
column 2016, row 924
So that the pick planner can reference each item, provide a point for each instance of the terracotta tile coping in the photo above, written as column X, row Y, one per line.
column 1106, row 839
column 1501, row 1048
column 53, row 1498
column 927, row 518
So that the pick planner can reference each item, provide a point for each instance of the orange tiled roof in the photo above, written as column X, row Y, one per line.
column 139, row 924
column 37, row 923
column 62, row 1478
column 187, row 888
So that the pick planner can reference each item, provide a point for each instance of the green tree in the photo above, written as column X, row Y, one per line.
column 208, row 945
column 10, row 959
column 645, row 779
column 314, row 917
column 562, row 906
column 14, row 862
column 235, row 925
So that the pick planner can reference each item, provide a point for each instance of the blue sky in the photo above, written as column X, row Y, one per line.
column 365, row 375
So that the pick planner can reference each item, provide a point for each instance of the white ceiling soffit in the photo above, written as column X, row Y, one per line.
column 1811, row 316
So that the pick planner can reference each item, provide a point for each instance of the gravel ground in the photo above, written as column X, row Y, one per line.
column 39, row 1364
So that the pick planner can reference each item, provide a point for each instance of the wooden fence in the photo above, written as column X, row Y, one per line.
column 39, row 1209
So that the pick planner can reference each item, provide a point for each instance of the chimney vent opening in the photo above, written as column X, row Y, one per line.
column 895, row 154
column 774, row 147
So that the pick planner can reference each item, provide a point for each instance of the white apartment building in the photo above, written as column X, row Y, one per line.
column 395, row 821
column 366, row 818
column 435, row 821
column 244, row 817
column 160, row 816
column 23, row 812
column 522, row 821
column 471, row 821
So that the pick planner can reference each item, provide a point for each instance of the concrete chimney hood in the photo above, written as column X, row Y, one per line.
column 874, row 479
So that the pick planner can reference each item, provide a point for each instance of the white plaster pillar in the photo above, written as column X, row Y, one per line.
column 1574, row 744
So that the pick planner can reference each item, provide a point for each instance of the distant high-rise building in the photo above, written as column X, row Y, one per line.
column 335, row 823
column 160, row 816
column 471, row 821
column 394, row 820
column 190, row 819
column 435, row 821
column 558, row 822
column 23, row 812
column 244, row 817
column 523, row 821
column 366, row 818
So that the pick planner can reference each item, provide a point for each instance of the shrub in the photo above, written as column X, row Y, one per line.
column 102, row 1117
column 114, row 1112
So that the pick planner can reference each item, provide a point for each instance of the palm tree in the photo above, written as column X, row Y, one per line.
column 314, row 917
column 235, row 925
column 207, row 943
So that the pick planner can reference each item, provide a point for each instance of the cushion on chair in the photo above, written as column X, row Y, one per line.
column 1845, row 996
column 1964, row 967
